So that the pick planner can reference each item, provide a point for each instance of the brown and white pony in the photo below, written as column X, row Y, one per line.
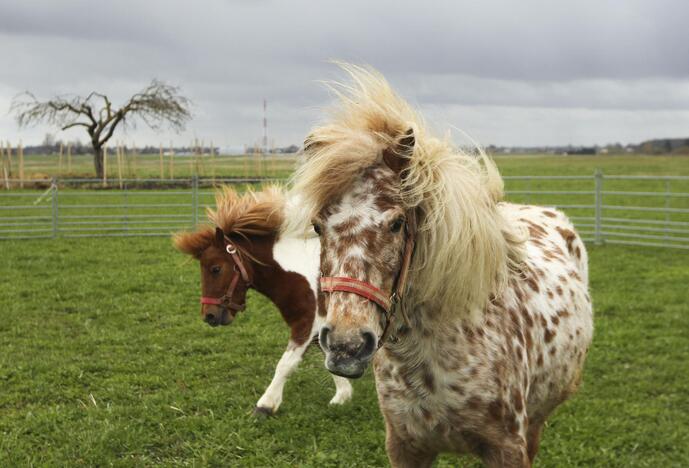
column 249, row 247
column 489, row 332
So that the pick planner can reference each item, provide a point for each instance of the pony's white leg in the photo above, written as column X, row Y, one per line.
column 272, row 397
column 343, row 391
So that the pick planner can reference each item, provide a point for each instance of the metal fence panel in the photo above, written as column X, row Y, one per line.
column 613, row 209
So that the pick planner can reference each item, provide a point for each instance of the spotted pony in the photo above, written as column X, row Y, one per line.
column 494, row 323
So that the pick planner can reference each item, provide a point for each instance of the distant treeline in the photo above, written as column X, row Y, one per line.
column 657, row 146
column 78, row 147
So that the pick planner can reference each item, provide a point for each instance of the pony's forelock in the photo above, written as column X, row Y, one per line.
column 465, row 247
column 249, row 214
column 194, row 243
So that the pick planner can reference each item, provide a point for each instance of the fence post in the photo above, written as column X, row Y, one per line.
column 195, row 199
column 598, row 235
column 126, row 207
column 667, row 206
column 55, row 206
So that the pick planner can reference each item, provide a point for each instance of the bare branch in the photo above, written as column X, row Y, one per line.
column 157, row 104
column 76, row 124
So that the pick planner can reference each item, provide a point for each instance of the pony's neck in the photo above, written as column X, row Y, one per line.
column 287, row 273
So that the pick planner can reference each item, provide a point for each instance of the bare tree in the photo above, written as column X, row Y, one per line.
column 155, row 105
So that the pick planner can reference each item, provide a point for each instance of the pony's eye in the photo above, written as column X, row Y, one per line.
column 317, row 228
column 215, row 269
column 397, row 225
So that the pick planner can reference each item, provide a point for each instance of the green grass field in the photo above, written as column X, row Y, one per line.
column 145, row 166
column 105, row 361
column 278, row 166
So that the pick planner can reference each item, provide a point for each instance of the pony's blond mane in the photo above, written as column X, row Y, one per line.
column 465, row 249
column 249, row 214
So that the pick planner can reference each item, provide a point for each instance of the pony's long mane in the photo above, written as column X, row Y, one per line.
column 246, row 215
column 465, row 248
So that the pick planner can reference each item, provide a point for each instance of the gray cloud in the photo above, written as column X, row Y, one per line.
column 527, row 72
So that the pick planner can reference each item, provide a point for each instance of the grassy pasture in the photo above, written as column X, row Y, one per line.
column 277, row 166
column 145, row 166
column 104, row 360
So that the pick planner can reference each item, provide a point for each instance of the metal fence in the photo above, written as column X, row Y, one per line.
column 612, row 209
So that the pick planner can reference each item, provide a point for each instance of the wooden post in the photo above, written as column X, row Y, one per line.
column 9, row 159
column 126, row 161
column 4, row 166
column 105, row 166
column 162, row 174
column 59, row 161
column 5, row 175
column 192, row 148
column 134, row 162
column 119, row 165
column 202, row 159
column 20, row 150
column 246, row 162
column 172, row 161
column 212, row 162
column 69, row 158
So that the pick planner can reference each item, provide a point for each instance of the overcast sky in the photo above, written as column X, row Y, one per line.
column 505, row 72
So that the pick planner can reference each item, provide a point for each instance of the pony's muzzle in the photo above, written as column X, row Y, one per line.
column 347, row 354
column 216, row 315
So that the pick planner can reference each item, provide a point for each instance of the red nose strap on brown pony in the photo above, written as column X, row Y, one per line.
column 386, row 302
column 240, row 272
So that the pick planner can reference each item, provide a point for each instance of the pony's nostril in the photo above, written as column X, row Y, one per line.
column 210, row 317
column 323, row 337
column 368, row 347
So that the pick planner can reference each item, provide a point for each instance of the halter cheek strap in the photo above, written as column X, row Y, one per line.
column 386, row 301
column 361, row 288
column 240, row 272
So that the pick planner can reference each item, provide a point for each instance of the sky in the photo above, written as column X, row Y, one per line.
column 512, row 73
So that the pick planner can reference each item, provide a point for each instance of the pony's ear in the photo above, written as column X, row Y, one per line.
column 397, row 157
column 219, row 238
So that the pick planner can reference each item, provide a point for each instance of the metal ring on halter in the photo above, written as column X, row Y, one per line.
column 231, row 249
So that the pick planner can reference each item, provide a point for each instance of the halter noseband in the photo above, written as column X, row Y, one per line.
column 385, row 301
column 240, row 272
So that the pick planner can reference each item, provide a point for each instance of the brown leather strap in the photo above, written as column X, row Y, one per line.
column 241, row 272
column 401, row 282
column 385, row 301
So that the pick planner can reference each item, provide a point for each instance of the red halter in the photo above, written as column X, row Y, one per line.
column 240, row 272
column 386, row 301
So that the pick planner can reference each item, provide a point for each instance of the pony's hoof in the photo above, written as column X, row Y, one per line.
column 263, row 412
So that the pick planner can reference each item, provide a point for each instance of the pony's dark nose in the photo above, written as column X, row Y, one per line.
column 211, row 319
column 347, row 354
column 361, row 347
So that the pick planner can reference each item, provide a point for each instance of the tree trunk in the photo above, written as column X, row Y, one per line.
column 98, row 160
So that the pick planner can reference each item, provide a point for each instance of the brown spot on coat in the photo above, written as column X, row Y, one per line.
column 549, row 335
column 568, row 236
column 517, row 400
